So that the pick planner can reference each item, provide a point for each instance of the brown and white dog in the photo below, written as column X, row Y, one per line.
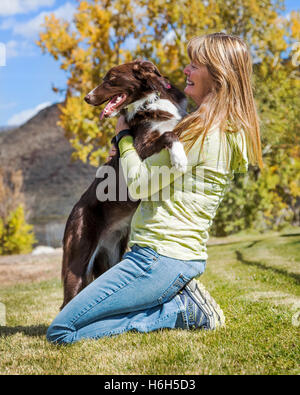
column 97, row 232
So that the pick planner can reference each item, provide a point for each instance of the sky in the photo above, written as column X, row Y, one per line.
column 26, row 75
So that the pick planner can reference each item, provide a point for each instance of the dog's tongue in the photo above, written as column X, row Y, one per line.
column 111, row 105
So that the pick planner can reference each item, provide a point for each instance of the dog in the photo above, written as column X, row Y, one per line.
column 97, row 232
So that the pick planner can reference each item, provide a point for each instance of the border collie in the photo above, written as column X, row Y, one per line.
column 97, row 232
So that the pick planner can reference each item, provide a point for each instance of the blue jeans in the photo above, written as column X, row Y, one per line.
column 139, row 293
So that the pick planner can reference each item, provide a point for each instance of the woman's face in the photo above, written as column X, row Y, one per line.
column 198, row 82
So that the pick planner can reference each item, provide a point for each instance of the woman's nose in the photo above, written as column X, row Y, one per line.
column 186, row 70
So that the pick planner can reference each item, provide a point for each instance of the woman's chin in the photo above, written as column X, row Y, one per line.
column 188, row 90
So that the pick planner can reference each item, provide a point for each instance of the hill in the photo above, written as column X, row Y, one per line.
column 52, row 182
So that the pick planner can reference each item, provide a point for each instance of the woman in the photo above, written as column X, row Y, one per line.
column 153, row 286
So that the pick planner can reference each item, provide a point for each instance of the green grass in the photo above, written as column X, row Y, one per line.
column 255, row 278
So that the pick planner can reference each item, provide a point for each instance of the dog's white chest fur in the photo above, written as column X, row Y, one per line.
column 164, row 126
column 153, row 103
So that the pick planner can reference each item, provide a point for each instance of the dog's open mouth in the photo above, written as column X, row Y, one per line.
column 112, row 105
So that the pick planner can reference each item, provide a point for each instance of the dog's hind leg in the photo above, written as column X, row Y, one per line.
column 73, row 284
column 109, row 251
column 79, row 247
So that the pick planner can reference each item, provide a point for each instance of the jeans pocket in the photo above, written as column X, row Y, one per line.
column 145, row 251
column 173, row 289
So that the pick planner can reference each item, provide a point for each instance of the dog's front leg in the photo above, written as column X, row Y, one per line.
column 170, row 141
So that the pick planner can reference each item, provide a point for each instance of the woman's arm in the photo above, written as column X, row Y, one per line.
column 146, row 177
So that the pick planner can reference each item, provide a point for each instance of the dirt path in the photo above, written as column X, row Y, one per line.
column 16, row 269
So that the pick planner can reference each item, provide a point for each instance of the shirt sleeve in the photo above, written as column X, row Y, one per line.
column 146, row 177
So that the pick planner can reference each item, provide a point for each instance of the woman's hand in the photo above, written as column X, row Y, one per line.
column 112, row 152
column 121, row 124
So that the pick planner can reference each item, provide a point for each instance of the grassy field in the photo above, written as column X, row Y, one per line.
column 255, row 278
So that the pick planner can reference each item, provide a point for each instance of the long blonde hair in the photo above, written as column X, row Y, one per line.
column 230, row 103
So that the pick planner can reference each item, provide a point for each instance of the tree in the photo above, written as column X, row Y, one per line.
column 102, row 29
column 158, row 30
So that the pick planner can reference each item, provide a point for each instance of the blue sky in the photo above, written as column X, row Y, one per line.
column 25, row 80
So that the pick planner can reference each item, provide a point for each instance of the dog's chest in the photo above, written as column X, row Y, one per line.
column 159, row 116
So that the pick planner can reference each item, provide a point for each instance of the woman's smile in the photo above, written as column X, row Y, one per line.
column 188, row 82
column 198, row 82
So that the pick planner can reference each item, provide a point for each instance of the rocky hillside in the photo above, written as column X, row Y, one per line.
column 52, row 182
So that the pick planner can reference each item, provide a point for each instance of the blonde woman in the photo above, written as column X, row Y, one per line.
column 153, row 287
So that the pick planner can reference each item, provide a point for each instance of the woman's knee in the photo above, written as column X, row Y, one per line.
column 59, row 334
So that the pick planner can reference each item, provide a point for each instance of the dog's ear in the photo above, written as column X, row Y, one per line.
column 149, row 74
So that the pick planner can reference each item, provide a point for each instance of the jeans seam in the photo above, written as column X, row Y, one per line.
column 146, row 327
column 94, row 303
column 182, row 312
column 150, row 250
column 97, row 301
column 176, row 283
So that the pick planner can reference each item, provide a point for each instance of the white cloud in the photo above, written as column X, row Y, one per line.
column 8, row 24
column 32, row 27
column 24, row 116
column 13, row 7
column 19, row 48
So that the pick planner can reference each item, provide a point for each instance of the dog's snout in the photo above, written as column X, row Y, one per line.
column 88, row 98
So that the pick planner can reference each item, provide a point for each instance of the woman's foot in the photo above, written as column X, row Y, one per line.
column 202, row 310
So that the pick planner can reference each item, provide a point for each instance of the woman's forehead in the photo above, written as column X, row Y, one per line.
column 195, row 54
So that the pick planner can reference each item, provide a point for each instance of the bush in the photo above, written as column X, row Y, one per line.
column 16, row 236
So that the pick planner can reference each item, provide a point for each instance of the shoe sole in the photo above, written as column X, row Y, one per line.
column 211, row 309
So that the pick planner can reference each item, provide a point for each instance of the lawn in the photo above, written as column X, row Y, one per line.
column 255, row 279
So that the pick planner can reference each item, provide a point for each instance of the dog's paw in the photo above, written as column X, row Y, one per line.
column 178, row 157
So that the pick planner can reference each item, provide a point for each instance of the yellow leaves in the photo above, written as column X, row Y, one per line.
column 295, row 189
column 83, row 6
column 81, row 150
column 89, row 137
column 78, row 118
column 101, row 18
column 57, row 40
column 16, row 236
column 295, row 24
column 162, row 29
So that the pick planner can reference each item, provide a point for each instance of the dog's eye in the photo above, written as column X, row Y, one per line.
column 111, row 80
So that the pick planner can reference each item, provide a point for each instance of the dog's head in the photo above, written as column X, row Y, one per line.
column 125, row 84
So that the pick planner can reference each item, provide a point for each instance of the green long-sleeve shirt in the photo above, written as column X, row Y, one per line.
column 176, row 209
